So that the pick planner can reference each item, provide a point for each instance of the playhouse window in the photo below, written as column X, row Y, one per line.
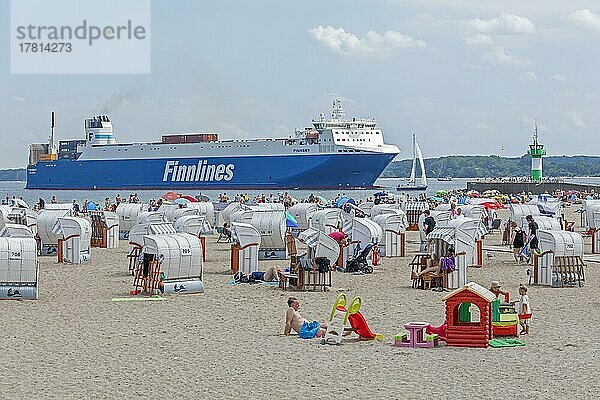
column 467, row 314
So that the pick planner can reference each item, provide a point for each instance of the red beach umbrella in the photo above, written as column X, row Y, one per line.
column 188, row 198
column 170, row 196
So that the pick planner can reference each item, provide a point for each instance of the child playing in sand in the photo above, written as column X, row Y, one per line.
column 524, row 309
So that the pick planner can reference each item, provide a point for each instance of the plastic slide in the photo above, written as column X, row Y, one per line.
column 439, row 330
column 357, row 322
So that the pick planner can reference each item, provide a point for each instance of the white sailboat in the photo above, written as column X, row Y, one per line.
column 412, row 182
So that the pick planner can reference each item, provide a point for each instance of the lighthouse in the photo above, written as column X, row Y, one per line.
column 536, row 150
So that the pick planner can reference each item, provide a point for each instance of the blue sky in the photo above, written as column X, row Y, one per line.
column 468, row 78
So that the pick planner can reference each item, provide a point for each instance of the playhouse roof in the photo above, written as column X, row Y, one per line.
column 476, row 289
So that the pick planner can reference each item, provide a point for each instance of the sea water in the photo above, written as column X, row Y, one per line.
column 31, row 196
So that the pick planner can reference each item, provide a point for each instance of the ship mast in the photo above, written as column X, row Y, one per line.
column 51, row 144
column 338, row 112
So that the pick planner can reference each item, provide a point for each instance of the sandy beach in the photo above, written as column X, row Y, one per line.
column 74, row 342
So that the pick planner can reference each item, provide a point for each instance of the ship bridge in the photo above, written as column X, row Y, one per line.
column 337, row 133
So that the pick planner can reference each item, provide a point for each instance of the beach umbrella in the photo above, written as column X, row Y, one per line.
column 381, row 194
column 290, row 217
column 20, row 203
column 170, row 196
column 438, row 199
column 343, row 200
column 491, row 205
column 189, row 198
column 290, row 220
column 441, row 192
column 473, row 193
column 322, row 200
column 181, row 201
column 92, row 206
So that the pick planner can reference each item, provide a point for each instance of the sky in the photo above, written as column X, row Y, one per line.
column 467, row 76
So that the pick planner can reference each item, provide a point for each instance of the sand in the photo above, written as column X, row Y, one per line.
column 74, row 342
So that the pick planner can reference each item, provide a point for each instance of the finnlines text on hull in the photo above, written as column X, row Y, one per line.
column 202, row 172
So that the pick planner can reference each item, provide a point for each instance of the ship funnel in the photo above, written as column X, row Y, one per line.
column 99, row 131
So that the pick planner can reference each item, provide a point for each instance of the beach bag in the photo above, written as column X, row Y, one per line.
column 323, row 264
column 447, row 264
column 239, row 277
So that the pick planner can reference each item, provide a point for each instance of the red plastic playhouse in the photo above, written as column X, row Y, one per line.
column 469, row 316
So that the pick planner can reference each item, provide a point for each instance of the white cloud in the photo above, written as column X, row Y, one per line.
column 478, row 38
column 498, row 56
column 576, row 119
column 585, row 19
column 340, row 41
column 471, row 67
column 559, row 77
column 249, row 101
column 483, row 128
column 232, row 130
column 505, row 23
column 529, row 77
column 18, row 100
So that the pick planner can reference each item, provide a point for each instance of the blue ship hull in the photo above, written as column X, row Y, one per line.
column 250, row 172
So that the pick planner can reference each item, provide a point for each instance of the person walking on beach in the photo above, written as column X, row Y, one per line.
column 75, row 208
column 517, row 241
column 294, row 320
column 427, row 228
column 533, row 241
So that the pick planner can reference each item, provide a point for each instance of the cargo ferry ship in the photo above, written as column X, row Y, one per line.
column 332, row 153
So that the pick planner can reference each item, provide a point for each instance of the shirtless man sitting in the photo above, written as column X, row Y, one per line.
column 294, row 320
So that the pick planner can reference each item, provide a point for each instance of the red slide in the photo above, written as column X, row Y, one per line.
column 357, row 322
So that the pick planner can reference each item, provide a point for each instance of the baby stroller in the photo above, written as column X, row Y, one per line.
column 359, row 262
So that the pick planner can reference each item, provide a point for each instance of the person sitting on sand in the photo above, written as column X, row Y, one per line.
column 294, row 320
column 270, row 275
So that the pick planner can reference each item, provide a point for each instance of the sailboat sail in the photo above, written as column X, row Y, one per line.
column 412, row 182
column 422, row 164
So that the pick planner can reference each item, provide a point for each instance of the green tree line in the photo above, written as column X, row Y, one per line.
column 18, row 174
column 495, row 166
